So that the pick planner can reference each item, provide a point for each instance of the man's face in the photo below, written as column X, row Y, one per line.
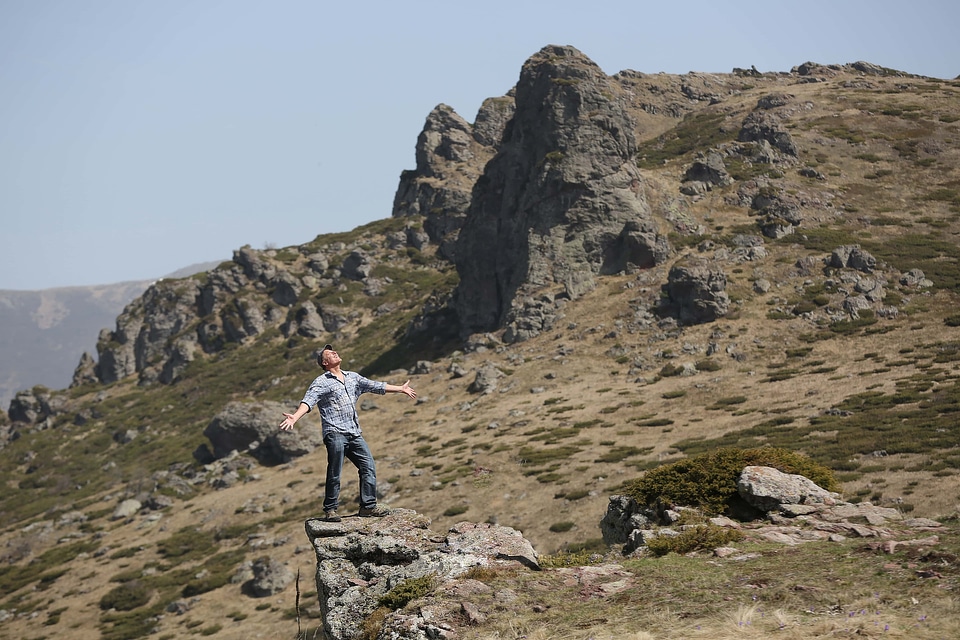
column 329, row 358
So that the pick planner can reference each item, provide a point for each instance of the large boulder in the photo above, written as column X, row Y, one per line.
column 695, row 292
column 852, row 256
column 253, row 428
column 708, row 171
column 767, row 489
column 763, row 125
column 270, row 577
column 35, row 405
column 359, row 560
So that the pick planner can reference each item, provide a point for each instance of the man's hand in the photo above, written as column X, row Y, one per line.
column 406, row 389
column 288, row 422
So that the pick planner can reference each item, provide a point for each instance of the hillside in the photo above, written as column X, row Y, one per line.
column 600, row 275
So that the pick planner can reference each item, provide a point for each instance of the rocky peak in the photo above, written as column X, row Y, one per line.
column 562, row 197
column 450, row 154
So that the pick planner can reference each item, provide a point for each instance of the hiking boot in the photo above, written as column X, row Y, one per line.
column 331, row 516
column 376, row 511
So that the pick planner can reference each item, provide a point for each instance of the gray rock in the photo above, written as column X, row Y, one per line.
column 360, row 559
column 915, row 278
column 357, row 266
column 763, row 125
column 309, row 322
column 708, row 170
column 126, row 509
column 286, row 289
column 450, row 155
column 270, row 577
column 855, row 304
column 695, row 292
column 254, row 427
column 766, row 489
column 622, row 517
column 773, row 100
column 852, row 257
column 486, row 380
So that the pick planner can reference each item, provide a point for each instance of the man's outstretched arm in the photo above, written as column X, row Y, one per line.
column 405, row 389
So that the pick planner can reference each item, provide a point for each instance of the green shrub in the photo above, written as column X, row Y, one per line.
column 721, row 403
column 561, row 527
column 566, row 559
column 708, row 536
column 709, row 481
column 127, row 596
column 405, row 592
column 708, row 364
column 670, row 370
column 456, row 510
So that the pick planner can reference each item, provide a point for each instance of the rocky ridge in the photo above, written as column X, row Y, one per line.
column 541, row 194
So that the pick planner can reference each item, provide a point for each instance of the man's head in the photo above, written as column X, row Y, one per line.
column 326, row 355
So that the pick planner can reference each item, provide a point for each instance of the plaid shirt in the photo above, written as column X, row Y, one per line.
column 338, row 400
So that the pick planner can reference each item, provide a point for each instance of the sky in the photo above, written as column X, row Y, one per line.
column 138, row 137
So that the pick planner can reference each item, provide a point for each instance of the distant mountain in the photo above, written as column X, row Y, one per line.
column 44, row 333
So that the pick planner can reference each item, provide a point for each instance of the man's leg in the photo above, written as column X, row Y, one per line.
column 359, row 454
column 335, row 444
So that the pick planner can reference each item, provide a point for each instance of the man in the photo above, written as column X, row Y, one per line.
column 335, row 393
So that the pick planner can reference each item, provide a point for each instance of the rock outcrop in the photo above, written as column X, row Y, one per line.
column 450, row 156
column 695, row 292
column 561, row 198
column 790, row 508
column 361, row 561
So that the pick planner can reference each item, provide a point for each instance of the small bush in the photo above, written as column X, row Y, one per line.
column 407, row 591
column 710, row 481
column 456, row 510
column 561, row 527
column 728, row 402
column 708, row 365
column 126, row 597
column 566, row 559
column 670, row 370
column 709, row 536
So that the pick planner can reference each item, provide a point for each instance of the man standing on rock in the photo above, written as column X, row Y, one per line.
column 335, row 393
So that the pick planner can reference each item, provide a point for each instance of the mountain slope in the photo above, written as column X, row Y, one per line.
column 806, row 300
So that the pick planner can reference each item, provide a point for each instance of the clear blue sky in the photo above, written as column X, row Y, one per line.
column 141, row 136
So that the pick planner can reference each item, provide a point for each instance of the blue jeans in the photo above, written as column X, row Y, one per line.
column 354, row 448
